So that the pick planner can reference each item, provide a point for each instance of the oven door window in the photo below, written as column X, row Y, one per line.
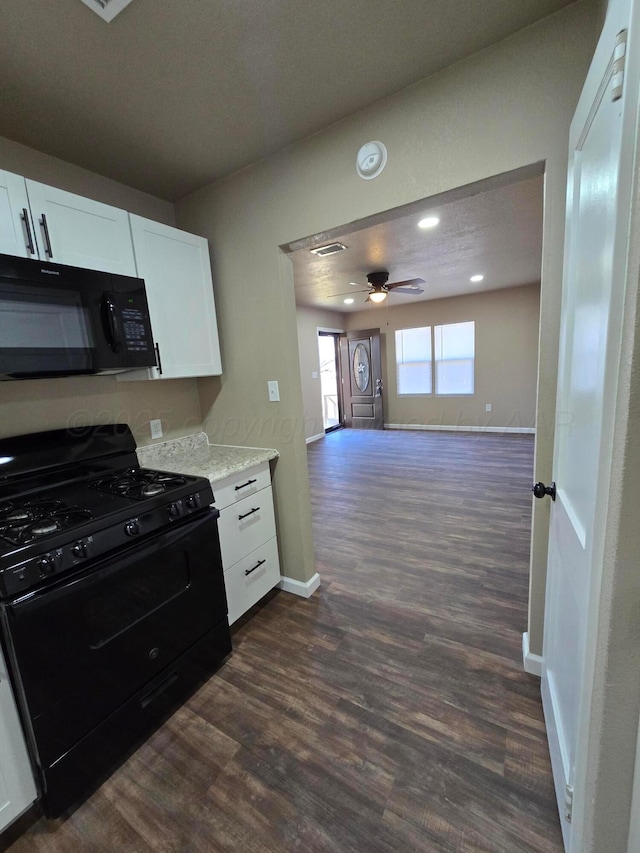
column 43, row 330
column 111, row 611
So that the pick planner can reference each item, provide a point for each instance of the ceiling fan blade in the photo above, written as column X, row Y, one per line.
column 348, row 293
column 409, row 284
column 415, row 290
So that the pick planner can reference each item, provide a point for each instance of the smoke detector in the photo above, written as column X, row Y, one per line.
column 371, row 160
column 107, row 9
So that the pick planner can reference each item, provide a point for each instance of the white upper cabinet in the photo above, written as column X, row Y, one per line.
column 38, row 221
column 79, row 231
column 17, row 786
column 45, row 223
column 17, row 234
column 176, row 268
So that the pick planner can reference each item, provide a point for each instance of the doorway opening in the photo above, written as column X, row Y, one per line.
column 328, row 348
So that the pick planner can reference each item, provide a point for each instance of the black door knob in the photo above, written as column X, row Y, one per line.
column 540, row 490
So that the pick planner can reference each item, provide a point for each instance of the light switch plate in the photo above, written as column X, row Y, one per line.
column 156, row 428
column 274, row 390
column 487, row 407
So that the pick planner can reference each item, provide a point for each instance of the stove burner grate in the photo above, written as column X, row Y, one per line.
column 139, row 483
column 21, row 523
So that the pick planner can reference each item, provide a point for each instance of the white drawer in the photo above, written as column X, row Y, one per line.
column 245, row 525
column 251, row 578
column 236, row 487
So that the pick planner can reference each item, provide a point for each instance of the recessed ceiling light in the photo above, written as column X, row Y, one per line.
column 349, row 301
column 428, row 222
column 354, row 283
column 476, row 278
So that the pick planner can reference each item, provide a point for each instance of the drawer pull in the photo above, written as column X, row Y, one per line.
column 247, row 514
column 257, row 566
column 244, row 485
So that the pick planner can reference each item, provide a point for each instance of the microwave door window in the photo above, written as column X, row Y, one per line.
column 44, row 332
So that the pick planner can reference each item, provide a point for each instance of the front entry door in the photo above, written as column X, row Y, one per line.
column 598, row 210
column 362, row 379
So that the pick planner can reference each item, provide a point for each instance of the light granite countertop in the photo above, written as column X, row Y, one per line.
column 194, row 455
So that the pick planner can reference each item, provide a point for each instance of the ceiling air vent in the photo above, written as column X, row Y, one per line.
column 107, row 9
column 330, row 249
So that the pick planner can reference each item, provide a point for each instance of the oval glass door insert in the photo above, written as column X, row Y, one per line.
column 361, row 367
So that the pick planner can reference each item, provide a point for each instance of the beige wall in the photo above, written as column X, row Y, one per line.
column 506, row 361
column 35, row 405
column 309, row 321
column 504, row 108
column 57, row 173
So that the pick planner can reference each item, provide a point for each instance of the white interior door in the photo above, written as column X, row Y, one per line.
column 593, row 289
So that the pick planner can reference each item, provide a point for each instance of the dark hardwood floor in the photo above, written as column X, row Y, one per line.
column 389, row 712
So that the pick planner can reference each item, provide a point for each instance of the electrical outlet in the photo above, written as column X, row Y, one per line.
column 156, row 428
column 487, row 407
column 314, row 374
column 274, row 390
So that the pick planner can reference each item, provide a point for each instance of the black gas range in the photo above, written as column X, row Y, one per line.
column 56, row 520
column 112, row 600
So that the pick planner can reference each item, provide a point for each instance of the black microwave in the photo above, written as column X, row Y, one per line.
column 57, row 320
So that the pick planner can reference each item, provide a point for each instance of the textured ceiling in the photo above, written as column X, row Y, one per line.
column 497, row 233
column 173, row 94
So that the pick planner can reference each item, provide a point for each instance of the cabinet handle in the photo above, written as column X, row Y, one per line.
column 247, row 514
column 244, row 485
column 25, row 218
column 48, row 250
column 257, row 566
column 158, row 359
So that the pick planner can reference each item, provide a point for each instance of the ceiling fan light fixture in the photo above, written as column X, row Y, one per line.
column 378, row 296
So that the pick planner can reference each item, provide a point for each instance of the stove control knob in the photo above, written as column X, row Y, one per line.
column 173, row 509
column 132, row 528
column 79, row 549
column 193, row 501
column 47, row 564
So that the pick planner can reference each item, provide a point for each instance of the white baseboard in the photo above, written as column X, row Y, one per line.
column 461, row 428
column 531, row 663
column 314, row 438
column 299, row 587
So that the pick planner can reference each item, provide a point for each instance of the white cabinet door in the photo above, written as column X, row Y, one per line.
column 176, row 268
column 17, row 787
column 17, row 234
column 79, row 231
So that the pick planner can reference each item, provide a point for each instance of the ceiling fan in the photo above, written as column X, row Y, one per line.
column 380, row 286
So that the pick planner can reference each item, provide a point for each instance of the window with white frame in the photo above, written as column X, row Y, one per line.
column 440, row 357
column 454, row 358
column 413, row 361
